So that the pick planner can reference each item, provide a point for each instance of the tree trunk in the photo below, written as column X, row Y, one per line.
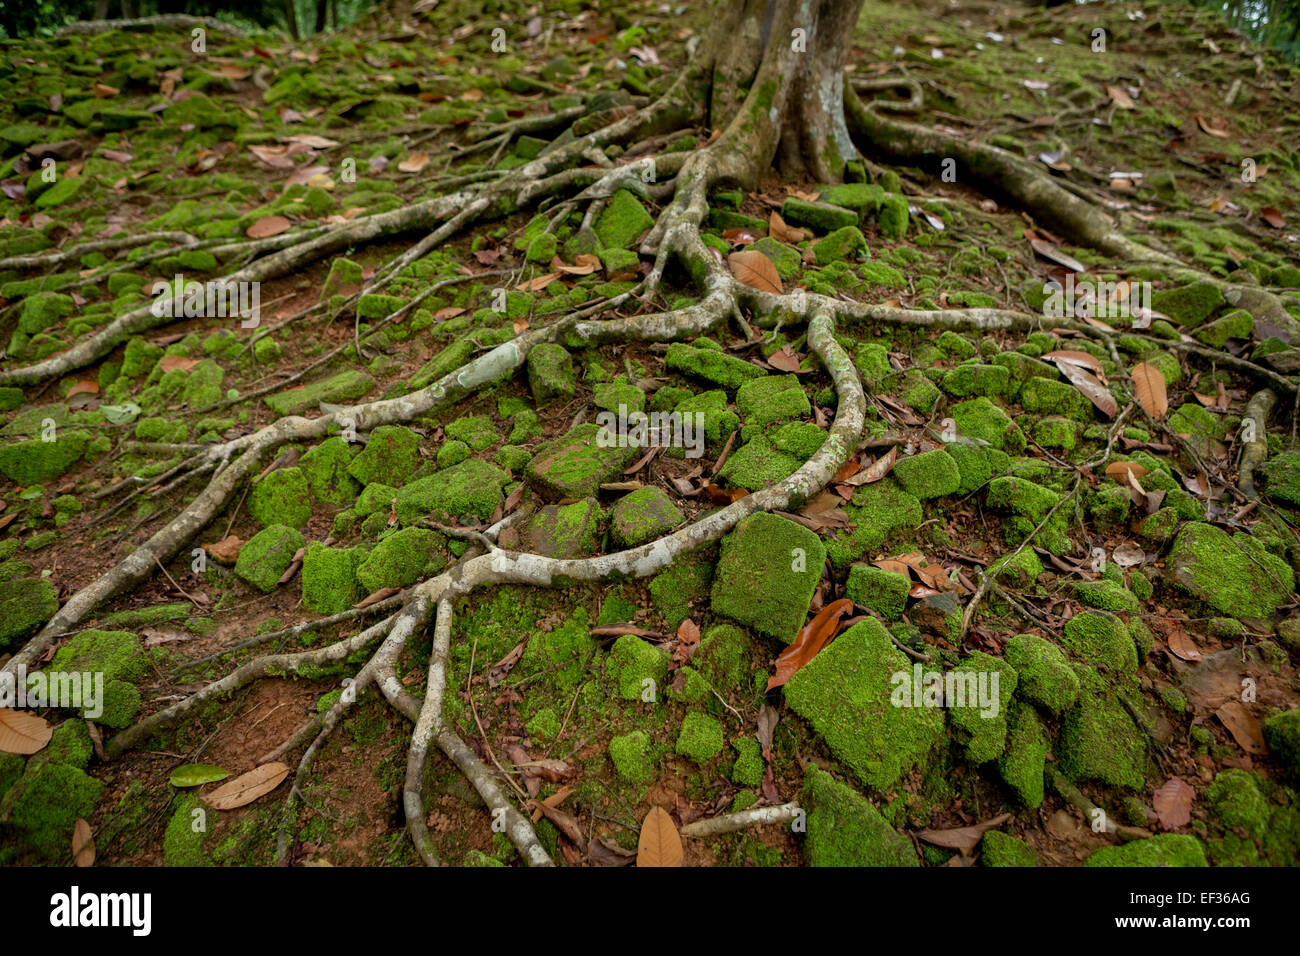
column 783, row 61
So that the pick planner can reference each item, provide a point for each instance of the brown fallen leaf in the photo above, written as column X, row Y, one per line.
column 1243, row 726
column 104, row 92
column 1050, row 252
column 1092, row 389
column 1273, row 217
column 169, row 363
column 583, row 265
column 1086, row 359
column 961, row 839
column 816, row 634
column 755, row 270
column 268, row 226
column 1217, row 129
column 1120, row 98
column 660, row 844
column 566, row 823
column 1120, row 470
column 247, row 787
column 225, row 551
column 1173, row 803
column 1149, row 390
column 83, row 388
column 537, row 283
column 724, row 496
column 502, row 668
column 23, row 733
column 778, row 230
column 83, row 844
column 414, row 162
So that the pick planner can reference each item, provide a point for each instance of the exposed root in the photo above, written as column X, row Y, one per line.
column 731, row 822
column 1254, row 445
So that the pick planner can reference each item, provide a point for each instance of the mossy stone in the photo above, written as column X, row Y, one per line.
column 700, row 737
column 565, row 531
column 1024, row 760
column 267, row 555
column 402, row 558
column 630, row 755
column 550, row 373
column 326, row 469
column 329, row 578
column 623, row 221
column 1001, row 850
column 637, row 667
column 1099, row 740
column 391, row 455
column 845, row 829
column 1234, row 574
column 25, row 605
column 772, row 398
column 576, row 465
column 1045, row 677
column 1165, row 849
column 644, row 515
column 469, row 490
column 931, row 474
column 766, row 575
column 880, row 590
column 282, row 497
column 711, row 365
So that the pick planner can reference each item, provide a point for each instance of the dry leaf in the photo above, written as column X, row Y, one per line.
column 1149, row 390
column 83, row 388
column 1120, row 98
column 267, row 227
column 247, row 787
column 1120, row 470
column 1048, row 251
column 1173, row 803
column 1085, row 359
column 1217, row 130
column 778, row 230
column 83, row 844
column 755, row 270
column 1272, row 217
column 660, row 843
column 1243, row 726
column 104, row 92
column 414, row 162
column 815, row 635
column 961, row 839
column 1093, row 390
column 785, row 359
column 315, row 142
column 225, row 551
column 23, row 733
column 169, row 363
column 583, row 265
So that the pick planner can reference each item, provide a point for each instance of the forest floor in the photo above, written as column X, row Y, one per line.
column 1144, row 640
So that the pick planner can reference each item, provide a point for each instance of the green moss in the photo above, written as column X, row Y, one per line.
column 845, row 829
column 1101, row 638
column 34, row 461
column 45, row 803
column 550, row 373
column 1106, row 595
column 402, row 558
column 700, row 738
column 1282, row 733
column 719, row 420
column 980, row 725
column 346, row 386
column 391, row 455
column 632, row 662
column 25, row 604
column 267, row 555
column 772, row 398
column 185, row 835
column 893, row 217
column 844, row 243
column 623, row 221
column 325, row 468
column 766, row 575
column 329, row 578
column 70, row 744
column 748, row 768
column 543, row 725
column 878, row 511
column 1019, row 569
column 282, row 497
column 1099, row 740
column 1044, row 675
column 630, row 756
column 1235, row 799
column 845, row 693
column 1025, row 757
column 821, row 216
column 1188, row 305
column 576, row 465
column 1000, row 849
column 117, row 654
column 644, row 515
column 1283, row 474
column 676, row 590
column 710, row 365
column 931, row 474
column 980, row 419
column 1167, row 849
column 120, row 706
column 877, row 589
column 566, row 531
column 1234, row 574
column 470, row 490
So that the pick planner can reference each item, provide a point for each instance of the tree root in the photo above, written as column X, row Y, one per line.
column 1255, row 451
column 731, row 822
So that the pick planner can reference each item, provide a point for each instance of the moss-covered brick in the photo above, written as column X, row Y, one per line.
column 1283, row 478
column 644, row 515
column 748, row 768
column 1188, row 305
column 45, row 803
column 878, row 512
column 1106, row 595
column 877, row 589
column 619, row 397
column 979, row 721
column 710, row 365
column 121, row 705
column 565, row 531
column 719, row 420
column 1165, row 849
column 1238, row 324
column 329, row 578
column 700, row 737
column 863, row 198
column 821, row 216
column 766, row 575
column 1023, row 762
column 550, row 373
column 630, row 755
column 845, row 829
column 346, row 386
column 1234, row 798
column 845, row 693
column 36, row 460
column 976, row 464
column 402, row 558
column 1028, row 504
column 477, row 431
column 974, row 379
column 281, row 497
column 470, row 490
column 117, row 654
column 683, row 584
column 1043, row 396
column 391, row 455
column 800, row 439
column 772, row 398
column 374, row 307
column 1044, row 675
column 576, row 465
column 267, row 555
column 453, row 453
column 893, row 217
column 632, row 662
column 326, row 469
column 723, row 656
column 980, row 419
column 376, row 496
column 1020, row 568
column 786, row 258
column 623, row 221
column 931, row 474
column 1099, row 740
column 42, row 310
column 25, row 604
column 1101, row 638
column 1282, row 733
column 845, row 243
column 1001, row 849
column 1233, row 574
column 757, row 464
